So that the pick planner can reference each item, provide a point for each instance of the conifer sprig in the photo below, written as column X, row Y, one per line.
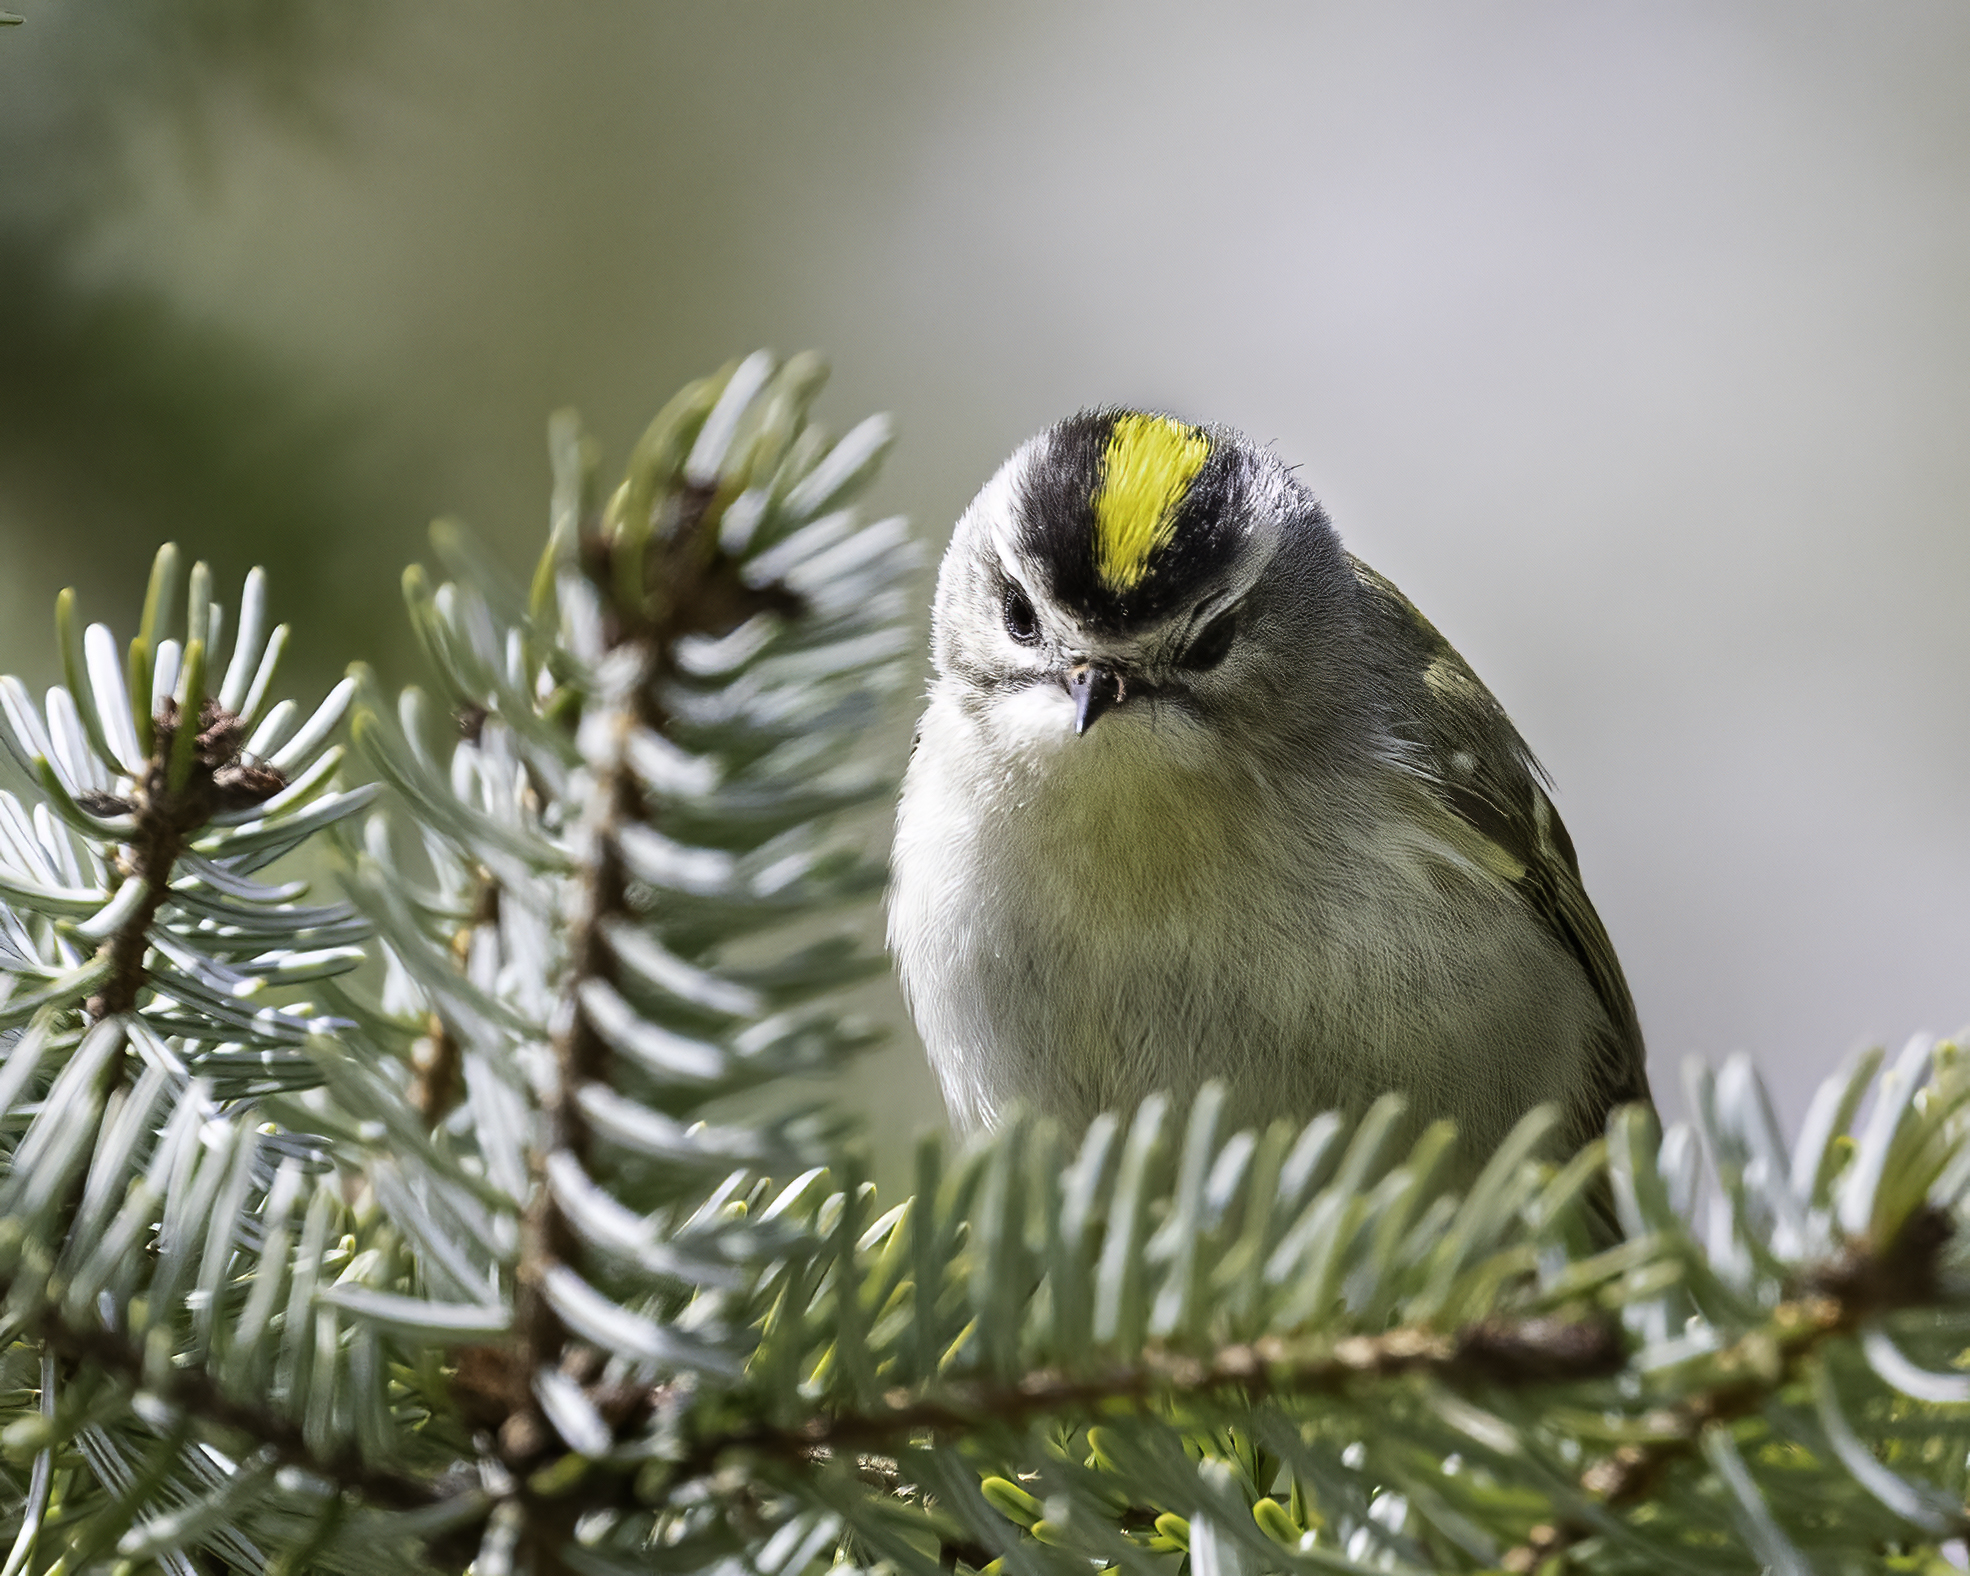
column 515, row 1252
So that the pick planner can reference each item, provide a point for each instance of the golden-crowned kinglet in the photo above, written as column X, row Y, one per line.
column 1198, row 795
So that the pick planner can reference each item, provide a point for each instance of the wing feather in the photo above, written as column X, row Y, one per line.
column 1454, row 734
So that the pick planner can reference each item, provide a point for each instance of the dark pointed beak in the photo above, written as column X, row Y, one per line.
column 1094, row 689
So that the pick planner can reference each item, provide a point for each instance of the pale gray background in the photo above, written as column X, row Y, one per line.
column 1632, row 340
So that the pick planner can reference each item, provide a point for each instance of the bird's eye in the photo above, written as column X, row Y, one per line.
column 1021, row 622
column 1209, row 648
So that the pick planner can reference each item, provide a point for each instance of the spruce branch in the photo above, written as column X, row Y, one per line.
column 492, row 1266
column 197, row 1395
column 180, row 789
column 1835, row 1300
column 592, row 704
column 154, row 972
column 1527, row 1351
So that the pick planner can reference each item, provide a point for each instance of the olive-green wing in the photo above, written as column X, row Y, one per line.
column 1456, row 736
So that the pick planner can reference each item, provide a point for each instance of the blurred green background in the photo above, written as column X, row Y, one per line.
column 1631, row 339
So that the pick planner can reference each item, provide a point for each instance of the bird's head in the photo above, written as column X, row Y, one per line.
column 1126, row 571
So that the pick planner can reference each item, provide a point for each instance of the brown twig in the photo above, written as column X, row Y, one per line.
column 437, row 1058
column 689, row 586
column 166, row 819
column 1532, row 1351
column 194, row 1391
column 435, row 1070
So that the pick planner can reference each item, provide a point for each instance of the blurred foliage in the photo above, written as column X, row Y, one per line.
column 126, row 422
column 122, row 418
column 93, row 75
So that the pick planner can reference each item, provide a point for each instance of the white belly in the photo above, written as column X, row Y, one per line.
column 1101, row 917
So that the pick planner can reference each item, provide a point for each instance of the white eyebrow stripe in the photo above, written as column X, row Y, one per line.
column 995, row 508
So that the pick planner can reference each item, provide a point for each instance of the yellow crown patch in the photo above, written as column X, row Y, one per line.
column 1148, row 467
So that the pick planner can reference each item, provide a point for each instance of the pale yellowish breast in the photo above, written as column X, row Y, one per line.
column 1147, row 469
